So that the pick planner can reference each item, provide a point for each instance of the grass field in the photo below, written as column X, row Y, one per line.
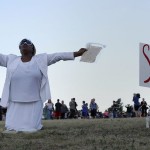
column 91, row 134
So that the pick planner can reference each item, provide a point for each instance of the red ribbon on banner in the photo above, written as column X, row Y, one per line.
column 147, row 58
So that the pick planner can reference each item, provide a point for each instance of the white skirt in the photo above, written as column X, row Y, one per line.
column 24, row 116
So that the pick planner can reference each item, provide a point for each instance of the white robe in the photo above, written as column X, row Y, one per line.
column 27, row 116
column 43, row 61
column 24, row 116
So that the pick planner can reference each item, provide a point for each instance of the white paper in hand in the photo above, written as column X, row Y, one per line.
column 93, row 50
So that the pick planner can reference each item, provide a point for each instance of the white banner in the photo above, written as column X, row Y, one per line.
column 144, row 65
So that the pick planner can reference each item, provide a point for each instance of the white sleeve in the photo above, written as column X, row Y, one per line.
column 53, row 58
column 3, row 60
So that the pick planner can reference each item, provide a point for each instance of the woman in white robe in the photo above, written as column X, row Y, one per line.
column 27, row 87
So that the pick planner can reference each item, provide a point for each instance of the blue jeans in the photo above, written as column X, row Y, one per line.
column 49, row 114
column 114, row 114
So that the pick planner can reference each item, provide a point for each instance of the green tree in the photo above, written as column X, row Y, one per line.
column 118, row 106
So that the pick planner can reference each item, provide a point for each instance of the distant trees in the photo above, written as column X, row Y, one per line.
column 117, row 106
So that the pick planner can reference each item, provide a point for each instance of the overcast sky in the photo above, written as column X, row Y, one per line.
column 66, row 26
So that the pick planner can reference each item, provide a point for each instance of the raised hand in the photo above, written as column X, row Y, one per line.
column 80, row 52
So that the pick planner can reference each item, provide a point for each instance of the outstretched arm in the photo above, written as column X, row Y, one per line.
column 53, row 58
column 3, row 60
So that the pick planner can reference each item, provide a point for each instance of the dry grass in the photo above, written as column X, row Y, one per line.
column 97, row 134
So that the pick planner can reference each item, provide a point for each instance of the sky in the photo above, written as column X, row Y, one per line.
column 66, row 26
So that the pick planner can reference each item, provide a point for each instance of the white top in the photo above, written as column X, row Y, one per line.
column 49, row 105
column 26, row 82
column 44, row 60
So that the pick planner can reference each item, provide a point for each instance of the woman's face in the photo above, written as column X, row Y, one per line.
column 26, row 47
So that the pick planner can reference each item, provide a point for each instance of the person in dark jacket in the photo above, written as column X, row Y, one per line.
column 58, row 109
column 64, row 110
column 144, row 108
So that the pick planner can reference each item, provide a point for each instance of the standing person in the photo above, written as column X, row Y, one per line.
column 72, row 105
column 114, row 107
column 58, row 109
column 129, row 110
column 84, row 110
column 93, row 108
column 26, row 87
column 50, row 109
column 76, row 110
column 136, row 98
column 64, row 110
column 144, row 108
column 45, row 112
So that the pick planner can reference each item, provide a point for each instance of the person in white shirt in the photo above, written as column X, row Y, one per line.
column 50, row 109
column 26, row 86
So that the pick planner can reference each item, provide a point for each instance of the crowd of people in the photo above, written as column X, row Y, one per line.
column 59, row 110
column 140, row 108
